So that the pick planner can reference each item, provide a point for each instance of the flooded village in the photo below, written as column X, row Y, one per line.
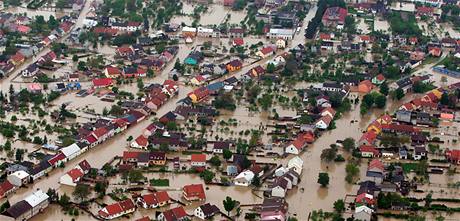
column 229, row 110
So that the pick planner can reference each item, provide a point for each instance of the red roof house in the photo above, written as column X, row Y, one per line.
column 102, row 82
column 193, row 192
column 368, row 151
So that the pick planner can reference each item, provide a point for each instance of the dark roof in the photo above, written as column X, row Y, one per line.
column 367, row 187
column 18, row 209
column 209, row 210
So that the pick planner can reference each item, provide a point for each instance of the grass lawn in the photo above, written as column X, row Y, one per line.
column 159, row 182
column 408, row 167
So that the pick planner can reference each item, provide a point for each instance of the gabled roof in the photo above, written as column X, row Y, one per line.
column 198, row 158
column 75, row 174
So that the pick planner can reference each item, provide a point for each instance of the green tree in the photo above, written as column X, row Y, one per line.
column 384, row 89
column 339, row 206
column 445, row 98
column 328, row 154
column 349, row 144
column 323, row 179
column 227, row 154
column 215, row 161
column 81, row 192
column 135, row 176
column 64, row 201
column 229, row 204
column 380, row 101
column 398, row 94
column 271, row 68
column 207, row 176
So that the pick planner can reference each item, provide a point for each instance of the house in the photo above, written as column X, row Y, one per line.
column 116, row 210
column 328, row 111
column 334, row 17
column 124, row 51
column 368, row 138
column 18, row 178
column 237, row 42
column 323, row 122
column 274, row 208
column 280, row 43
column 71, row 151
column 112, row 72
column 144, row 159
column 154, row 200
column 174, row 214
column 419, row 153
column 453, row 156
column 376, row 165
column 198, row 80
column 72, row 177
column 296, row 164
column 140, row 142
column 365, row 86
column 188, row 31
column 27, row 208
column 102, row 82
column 17, row 59
column 30, row 71
column 285, row 34
column 363, row 213
column 365, row 199
column 198, row 160
column 193, row 192
column 296, row 146
column 378, row 80
column 236, row 33
column 40, row 170
column 220, row 146
column 199, row 94
column 279, row 187
column 206, row 211
column 6, row 188
column 234, row 65
column 368, row 151
column 244, row 178
column 265, row 52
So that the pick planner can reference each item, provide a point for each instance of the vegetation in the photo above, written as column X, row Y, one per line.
column 404, row 24
column 229, row 204
column 159, row 182
column 323, row 179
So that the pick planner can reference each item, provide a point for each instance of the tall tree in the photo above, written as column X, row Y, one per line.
column 229, row 204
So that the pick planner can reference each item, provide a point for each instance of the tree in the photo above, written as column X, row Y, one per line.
column 398, row 94
column 351, row 170
column 64, row 201
column 380, row 101
column 81, row 192
column 140, row 84
column 100, row 187
column 339, row 206
column 75, row 58
column 445, row 98
column 323, row 179
column 229, row 204
column 271, row 68
column 384, row 88
column 135, row 176
column 207, row 176
column 256, row 181
column 349, row 144
column 328, row 154
column 215, row 161
column 227, row 154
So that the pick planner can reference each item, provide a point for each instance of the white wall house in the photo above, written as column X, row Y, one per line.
column 18, row 178
column 244, row 178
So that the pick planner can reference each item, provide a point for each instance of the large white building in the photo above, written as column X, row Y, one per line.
column 286, row 34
